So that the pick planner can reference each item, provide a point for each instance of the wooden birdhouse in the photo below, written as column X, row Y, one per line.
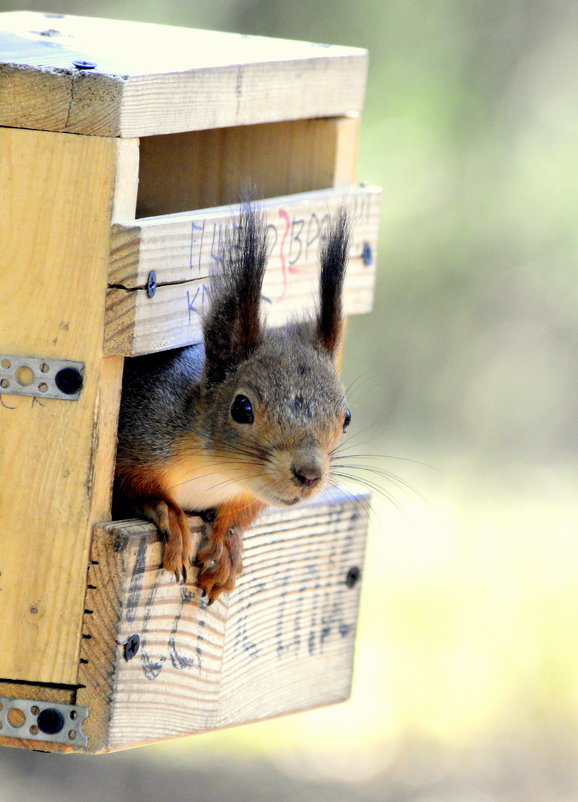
column 123, row 147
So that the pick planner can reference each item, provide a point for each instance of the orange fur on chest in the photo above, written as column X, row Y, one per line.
column 198, row 480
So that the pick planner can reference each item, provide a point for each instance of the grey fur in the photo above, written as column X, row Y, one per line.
column 288, row 373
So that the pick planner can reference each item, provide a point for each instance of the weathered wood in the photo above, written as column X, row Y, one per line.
column 201, row 169
column 157, row 79
column 55, row 456
column 183, row 251
column 182, row 247
column 281, row 641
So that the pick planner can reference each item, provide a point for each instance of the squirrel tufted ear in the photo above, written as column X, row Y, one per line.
column 232, row 327
column 333, row 264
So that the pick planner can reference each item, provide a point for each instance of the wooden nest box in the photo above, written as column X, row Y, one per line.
column 122, row 150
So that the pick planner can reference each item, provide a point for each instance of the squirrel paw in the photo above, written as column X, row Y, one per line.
column 220, row 563
column 175, row 533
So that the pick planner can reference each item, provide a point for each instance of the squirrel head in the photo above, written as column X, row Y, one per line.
column 275, row 407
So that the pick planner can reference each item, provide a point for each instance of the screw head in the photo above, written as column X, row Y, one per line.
column 353, row 576
column 50, row 721
column 131, row 647
column 68, row 381
column 84, row 65
column 151, row 284
column 366, row 254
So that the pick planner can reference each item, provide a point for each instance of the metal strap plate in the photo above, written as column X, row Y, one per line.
column 42, row 721
column 41, row 376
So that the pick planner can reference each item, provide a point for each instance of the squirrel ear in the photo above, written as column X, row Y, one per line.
column 333, row 265
column 232, row 326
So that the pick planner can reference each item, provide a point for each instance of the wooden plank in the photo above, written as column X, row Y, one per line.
column 183, row 250
column 181, row 247
column 283, row 640
column 57, row 199
column 157, row 79
column 202, row 169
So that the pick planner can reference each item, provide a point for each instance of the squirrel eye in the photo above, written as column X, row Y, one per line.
column 241, row 409
column 347, row 419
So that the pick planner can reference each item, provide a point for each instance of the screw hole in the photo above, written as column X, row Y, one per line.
column 73, row 715
column 43, row 387
column 15, row 717
column 24, row 375
column 34, row 730
column 71, row 735
column 44, row 367
column 4, row 383
column 6, row 364
column 35, row 710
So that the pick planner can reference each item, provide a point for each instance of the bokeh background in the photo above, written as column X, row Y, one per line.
column 466, row 683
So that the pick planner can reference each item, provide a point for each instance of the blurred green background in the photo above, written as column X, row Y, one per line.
column 466, row 684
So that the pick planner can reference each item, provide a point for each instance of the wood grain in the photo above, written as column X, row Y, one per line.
column 157, row 79
column 283, row 640
column 57, row 197
column 200, row 169
column 183, row 251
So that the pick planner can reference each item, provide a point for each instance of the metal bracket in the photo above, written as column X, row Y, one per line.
column 41, row 377
column 42, row 721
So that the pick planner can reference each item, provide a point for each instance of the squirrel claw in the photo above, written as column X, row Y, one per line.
column 174, row 533
column 220, row 564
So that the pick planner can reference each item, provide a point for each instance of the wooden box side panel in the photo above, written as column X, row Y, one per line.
column 282, row 641
column 292, row 622
column 58, row 193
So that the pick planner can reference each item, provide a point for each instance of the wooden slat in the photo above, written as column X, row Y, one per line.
column 202, row 169
column 283, row 640
column 183, row 250
column 55, row 456
column 157, row 79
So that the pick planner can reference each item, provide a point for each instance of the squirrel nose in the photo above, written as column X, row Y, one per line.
column 306, row 475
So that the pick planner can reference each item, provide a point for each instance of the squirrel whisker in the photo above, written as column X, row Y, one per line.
column 365, row 503
column 392, row 477
column 376, row 488
column 240, row 467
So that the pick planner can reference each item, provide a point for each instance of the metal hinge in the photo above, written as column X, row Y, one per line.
column 42, row 721
column 41, row 376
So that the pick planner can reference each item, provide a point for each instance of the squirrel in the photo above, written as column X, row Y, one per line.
column 249, row 419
